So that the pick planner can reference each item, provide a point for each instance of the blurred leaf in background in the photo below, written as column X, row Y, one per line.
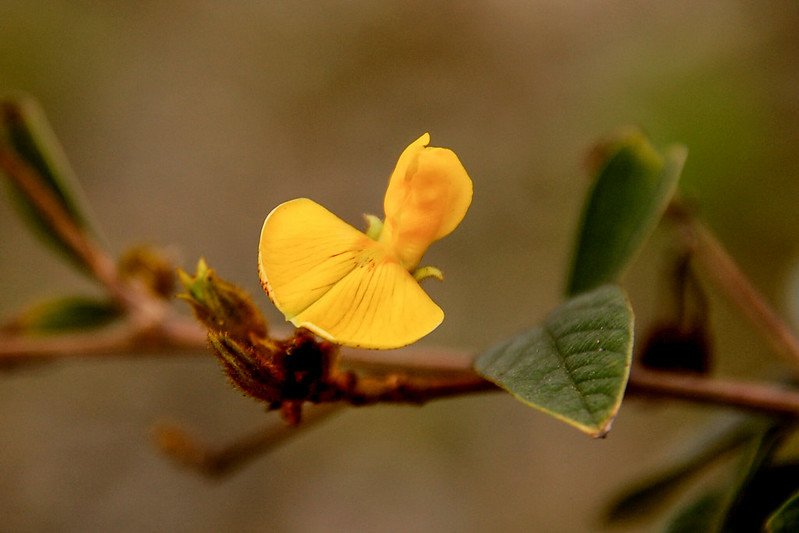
column 28, row 136
column 65, row 314
column 632, row 187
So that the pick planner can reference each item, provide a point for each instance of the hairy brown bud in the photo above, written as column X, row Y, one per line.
column 221, row 306
column 282, row 373
column 151, row 267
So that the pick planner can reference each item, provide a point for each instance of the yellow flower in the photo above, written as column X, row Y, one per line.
column 362, row 289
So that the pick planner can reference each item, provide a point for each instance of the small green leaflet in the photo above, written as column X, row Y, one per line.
column 575, row 365
column 632, row 188
column 69, row 313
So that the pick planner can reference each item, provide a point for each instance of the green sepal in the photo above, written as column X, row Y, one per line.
column 221, row 306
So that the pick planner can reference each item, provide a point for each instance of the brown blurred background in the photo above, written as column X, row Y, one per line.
column 188, row 121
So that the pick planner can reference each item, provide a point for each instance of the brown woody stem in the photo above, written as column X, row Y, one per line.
column 415, row 389
column 764, row 397
column 421, row 375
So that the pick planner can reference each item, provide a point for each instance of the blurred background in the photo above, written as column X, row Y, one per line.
column 187, row 122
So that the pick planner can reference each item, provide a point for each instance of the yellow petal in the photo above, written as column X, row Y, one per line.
column 325, row 275
column 304, row 250
column 427, row 197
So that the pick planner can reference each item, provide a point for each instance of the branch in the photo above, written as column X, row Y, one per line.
column 123, row 339
column 764, row 397
column 152, row 327
column 219, row 462
column 399, row 387
column 412, row 375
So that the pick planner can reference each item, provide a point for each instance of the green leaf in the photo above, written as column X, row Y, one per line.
column 66, row 314
column 575, row 365
column 632, row 188
column 25, row 130
column 786, row 518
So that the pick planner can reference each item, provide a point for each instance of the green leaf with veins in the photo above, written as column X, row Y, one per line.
column 575, row 365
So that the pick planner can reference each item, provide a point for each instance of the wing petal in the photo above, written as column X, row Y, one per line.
column 325, row 275
column 377, row 305
column 304, row 250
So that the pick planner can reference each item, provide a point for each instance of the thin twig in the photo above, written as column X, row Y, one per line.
column 768, row 398
column 218, row 462
column 721, row 270
column 398, row 387
column 123, row 339
column 756, row 396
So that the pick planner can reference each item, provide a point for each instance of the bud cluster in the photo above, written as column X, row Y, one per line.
column 282, row 373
